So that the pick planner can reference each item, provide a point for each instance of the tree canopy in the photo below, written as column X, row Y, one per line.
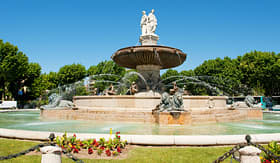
column 71, row 73
column 15, row 70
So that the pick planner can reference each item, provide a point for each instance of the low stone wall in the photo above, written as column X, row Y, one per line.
column 146, row 103
column 102, row 115
column 191, row 140
column 191, row 117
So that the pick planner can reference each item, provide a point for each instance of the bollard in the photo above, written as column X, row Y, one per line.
column 51, row 154
column 249, row 154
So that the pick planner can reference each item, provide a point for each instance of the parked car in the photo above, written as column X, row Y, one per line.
column 8, row 104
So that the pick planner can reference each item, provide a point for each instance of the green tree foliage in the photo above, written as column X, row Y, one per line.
column 33, row 72
column 190, row 84
column 53, row 80
column 261, row 72
column 15, row 70
column 71, row 73
column 224, row 74
column 92, row 70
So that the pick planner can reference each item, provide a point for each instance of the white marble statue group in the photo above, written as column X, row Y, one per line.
column 148, row 23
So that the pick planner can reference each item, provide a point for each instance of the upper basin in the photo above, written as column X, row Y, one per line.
column 163, row 56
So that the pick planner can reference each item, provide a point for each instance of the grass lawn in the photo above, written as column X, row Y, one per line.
column 137, row 154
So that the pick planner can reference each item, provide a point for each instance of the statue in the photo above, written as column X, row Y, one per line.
column 111, row 90
column 178, row 102
column 152, row 23
column 55, row 101
column 133, row 89
column 144, row 22
column 250, row 102
column 165, row 102
column 170, row 103
column 148, row 23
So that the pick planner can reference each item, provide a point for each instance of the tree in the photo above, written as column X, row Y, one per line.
column 221, row 73
column 14, row 68
column 92, row 70
column 261, row 71
column 71, row 73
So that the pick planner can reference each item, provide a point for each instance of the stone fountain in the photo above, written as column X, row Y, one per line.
column 148, row 59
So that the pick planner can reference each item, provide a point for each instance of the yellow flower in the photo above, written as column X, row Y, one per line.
column 272, row 161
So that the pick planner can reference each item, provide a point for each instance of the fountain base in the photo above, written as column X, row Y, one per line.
column 200, row 109
column 173, row 118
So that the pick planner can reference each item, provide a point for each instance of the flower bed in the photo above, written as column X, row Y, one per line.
column 275, row 149
column 111, row 147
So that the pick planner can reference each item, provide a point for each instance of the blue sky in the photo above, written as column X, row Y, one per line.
column 59, row 32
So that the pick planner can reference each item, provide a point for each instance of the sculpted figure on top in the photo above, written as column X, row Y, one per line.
column 148, row 23
column 144, row 22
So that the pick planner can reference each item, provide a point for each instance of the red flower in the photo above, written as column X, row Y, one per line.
column 102, row 148
column 267, row 161
column 118, row 133
column 94, row 141
column 108, row 152
column 81, row 144
column 119, row 149
column 96, row 144
column 76, row 150
column 119, row 137
column 90, row 151
column 74, row 135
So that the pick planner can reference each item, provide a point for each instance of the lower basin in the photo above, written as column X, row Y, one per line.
column 31, row 120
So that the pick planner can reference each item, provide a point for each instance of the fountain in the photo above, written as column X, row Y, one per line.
column 148, row 59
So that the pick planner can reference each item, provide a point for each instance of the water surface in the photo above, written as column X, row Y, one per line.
column 32, row 121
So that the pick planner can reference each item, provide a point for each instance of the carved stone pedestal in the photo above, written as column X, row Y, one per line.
column 151, row 74
column 149, row 39
column 173, row 118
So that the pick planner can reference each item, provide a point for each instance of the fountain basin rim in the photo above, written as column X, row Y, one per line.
column 191, row 140
column 145, row 97
column 152, row 46
column 166, row 57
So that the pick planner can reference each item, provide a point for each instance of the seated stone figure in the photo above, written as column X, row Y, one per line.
column 175, row 88
column 111, row 90
column 133, row 89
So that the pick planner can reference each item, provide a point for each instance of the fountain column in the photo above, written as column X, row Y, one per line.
column 151, row 73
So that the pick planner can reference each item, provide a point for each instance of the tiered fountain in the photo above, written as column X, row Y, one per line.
column 148, row 59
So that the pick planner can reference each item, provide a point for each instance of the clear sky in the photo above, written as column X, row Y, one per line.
column 59, row 32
